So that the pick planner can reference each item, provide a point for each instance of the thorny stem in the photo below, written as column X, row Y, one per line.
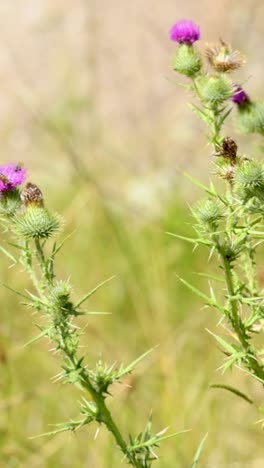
column 233, row 301
column 104, row 416
column 215, row 116
column 235, row 317
column 27, row 262
column 216, row 127
column 237, row 322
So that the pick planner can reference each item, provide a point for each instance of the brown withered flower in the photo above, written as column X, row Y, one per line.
column 32, row 195
column 223, row 58
column 228, row 150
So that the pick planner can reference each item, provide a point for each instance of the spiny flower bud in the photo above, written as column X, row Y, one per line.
column 222, row 58
column 59, row 300
column 36, row 222
column 187, row 61
column 250, row 174
column 250, row 117
column 61, row 292
column 249, row 180
column 215, row 89
column 208, row 212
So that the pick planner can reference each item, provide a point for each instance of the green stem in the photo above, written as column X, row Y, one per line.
column 40, row 253
column 235, row 317
column 27, row 263
column 236, row 321
column 216, row 127
column 104, row 415
column 214, row 114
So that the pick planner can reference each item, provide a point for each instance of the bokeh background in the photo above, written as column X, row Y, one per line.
column 89, row 104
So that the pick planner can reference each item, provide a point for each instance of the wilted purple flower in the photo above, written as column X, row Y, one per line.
column 240, row 97
column 185, row 32
column 11, row 175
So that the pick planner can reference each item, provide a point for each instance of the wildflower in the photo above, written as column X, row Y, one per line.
column 240, row 97
column 185, row 32
column 11, row 175
column 250, row 115
column 222, row 58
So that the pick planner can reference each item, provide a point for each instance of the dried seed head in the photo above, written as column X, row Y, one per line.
column 32, row 195
column 225, row 168
column 229, row 147
column 222, row 58
column 228, row 150
column 229, row 175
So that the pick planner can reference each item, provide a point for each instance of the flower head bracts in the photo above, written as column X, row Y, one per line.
column 223, row 58
column 11, row 176
column 185, row 32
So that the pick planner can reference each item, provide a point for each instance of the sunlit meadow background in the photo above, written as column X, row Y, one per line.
column 88, row 103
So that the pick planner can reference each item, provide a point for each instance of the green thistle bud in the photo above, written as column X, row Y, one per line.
column 187, row 61
column 208, row 212
column 10, row 202
column 249, row 180
column 59, row 300
column 250, row 117
column 215, row 89
column 36, row 223
column 60, row 293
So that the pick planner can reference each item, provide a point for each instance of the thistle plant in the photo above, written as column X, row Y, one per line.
column 228, row 221
column 34, row 246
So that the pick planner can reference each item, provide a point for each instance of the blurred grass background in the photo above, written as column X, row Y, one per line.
column 88, row 104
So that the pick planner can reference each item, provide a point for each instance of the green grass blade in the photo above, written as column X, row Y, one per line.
column 199, row 451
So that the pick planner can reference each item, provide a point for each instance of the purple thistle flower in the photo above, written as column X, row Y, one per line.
column 11, row 175
column 185, row 32
column 239, row 97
